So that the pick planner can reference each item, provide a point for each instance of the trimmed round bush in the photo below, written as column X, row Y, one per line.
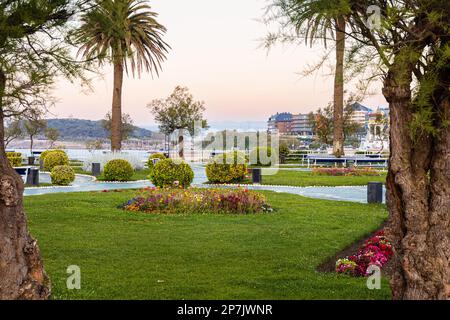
column 167, row 173
column 62, row 175
column 46, row 152
column 118, row 170
column 14, row 158
column 150, row 164
column 227, row 168
column 255, row 159
column 55, row 158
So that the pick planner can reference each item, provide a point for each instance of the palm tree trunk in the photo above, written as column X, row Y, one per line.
column 338, row 134
column 22, row 273
column 116, row 115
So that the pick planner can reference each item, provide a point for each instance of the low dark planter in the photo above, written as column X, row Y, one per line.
column 33, row 177
column 96, row 169
column 256, row 175
column 375, row 192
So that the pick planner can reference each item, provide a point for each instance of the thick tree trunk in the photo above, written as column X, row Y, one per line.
column 31, row 144
column 22, row 273
column 418, row 194
column 338, row 131
column 116, row 115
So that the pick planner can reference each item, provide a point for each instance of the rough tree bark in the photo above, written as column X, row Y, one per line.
column 338, row 129
column 116, row 115
column 418, row 194
column 22, row 273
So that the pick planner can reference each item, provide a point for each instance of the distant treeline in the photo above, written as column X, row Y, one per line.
column 74, row 129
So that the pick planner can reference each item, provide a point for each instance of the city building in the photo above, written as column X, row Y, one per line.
column 290, row 124
column 360, row 114
column 301, row 125
column 286, row 123
column 280, row 123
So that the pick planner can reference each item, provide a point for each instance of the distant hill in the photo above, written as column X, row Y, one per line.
column 74, row 129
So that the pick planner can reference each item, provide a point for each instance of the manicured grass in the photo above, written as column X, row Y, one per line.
column 303, row 179
column 125, row 255
column 138, row 175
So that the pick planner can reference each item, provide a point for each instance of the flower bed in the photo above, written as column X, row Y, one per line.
column 346, row 172
column 198, row 201
column 375, row 251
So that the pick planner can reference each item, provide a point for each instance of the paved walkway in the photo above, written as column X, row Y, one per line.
column 87, row 183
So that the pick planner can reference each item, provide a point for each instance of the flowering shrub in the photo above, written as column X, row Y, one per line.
column 346, row 172
column 375, row 251
column 198, row 201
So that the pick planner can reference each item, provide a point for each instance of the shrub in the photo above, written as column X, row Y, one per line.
column 283, row 152
column 104, row 158
column 46, row 152
column 198, row 201
column 62, row 175
column 167, row 173
column 118, row 170
column 150, row 164
column 269, row 157
column 226, row 168
column 55, row 158
column 14, row 158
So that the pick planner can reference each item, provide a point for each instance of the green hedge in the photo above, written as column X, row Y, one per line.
column 227, row 168
column 62, row 175
column 14, row 158
column 55, row 158
column 118, row 170
column 167, row 173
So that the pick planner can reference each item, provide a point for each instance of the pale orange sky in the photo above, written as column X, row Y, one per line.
column 215, row 52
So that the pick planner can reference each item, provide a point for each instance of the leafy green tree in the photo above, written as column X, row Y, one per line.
column 33, row 52
column 52, row 135
column 126, row 34
column 13, row 131
column 34, row 127
column 283, row 152
column 127, row 125
column 178, row 111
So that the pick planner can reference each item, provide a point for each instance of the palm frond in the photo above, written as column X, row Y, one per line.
column 124, row 31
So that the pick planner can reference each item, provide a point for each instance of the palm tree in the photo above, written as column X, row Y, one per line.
column 122, row 32
column 318, row 19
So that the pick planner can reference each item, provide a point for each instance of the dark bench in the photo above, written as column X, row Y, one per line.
column 23, row 171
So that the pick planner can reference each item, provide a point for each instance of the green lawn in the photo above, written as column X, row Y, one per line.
column 143, row 174
column 304, row 179
column 125, row 255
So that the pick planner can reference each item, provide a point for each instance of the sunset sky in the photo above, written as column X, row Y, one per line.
column 215, row 52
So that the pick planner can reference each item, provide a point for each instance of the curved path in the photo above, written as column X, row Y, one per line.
column 84, row 183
